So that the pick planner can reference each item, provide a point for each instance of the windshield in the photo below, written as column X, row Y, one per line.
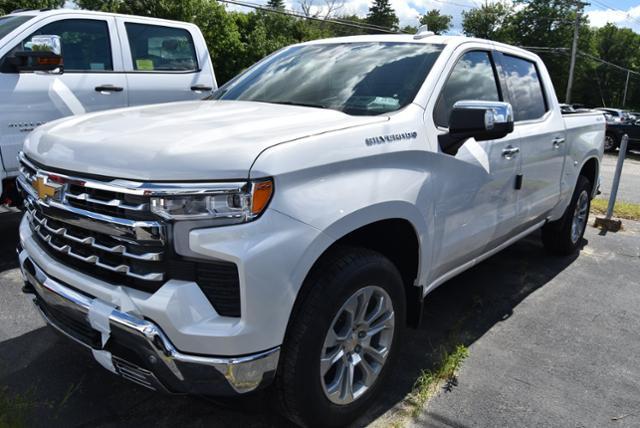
column 11, row 22
column 355, row 78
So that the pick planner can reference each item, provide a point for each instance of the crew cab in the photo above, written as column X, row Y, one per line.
column 285, row 232
column 91, row 61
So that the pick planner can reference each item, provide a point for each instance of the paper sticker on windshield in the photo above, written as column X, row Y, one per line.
column 144, row 64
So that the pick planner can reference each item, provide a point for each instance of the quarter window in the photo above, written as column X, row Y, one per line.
column 156, row 48
column 472, row 79
column 85, row 43
column 525, row 88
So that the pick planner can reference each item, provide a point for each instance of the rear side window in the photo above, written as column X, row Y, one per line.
column 85, row 43
column 525, row 88
column 472, row 79
column 156, row 48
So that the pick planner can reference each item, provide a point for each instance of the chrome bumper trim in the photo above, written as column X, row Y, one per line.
column 165, row 368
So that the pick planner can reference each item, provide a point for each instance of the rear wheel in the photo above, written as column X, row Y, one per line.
column 610, row 143
column 564, row 235
column 342, row 340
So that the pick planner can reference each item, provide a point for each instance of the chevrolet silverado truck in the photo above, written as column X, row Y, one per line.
column 284, row 233
column 62, row 62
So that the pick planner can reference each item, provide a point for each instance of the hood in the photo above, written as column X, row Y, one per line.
column 200, row 140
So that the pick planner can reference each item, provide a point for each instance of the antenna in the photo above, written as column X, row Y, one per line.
column 423, row 32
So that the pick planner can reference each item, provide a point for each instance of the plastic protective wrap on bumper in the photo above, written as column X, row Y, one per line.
column 137, row 349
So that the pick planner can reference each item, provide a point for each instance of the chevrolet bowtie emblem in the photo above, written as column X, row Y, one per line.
column 43, row 189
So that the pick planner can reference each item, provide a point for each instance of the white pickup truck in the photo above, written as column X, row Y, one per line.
column 104, row 61
column 286, row 231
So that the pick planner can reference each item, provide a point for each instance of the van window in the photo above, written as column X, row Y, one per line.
column 525, row 88
column 472, row 79
column 156, row 48
column 85, row 43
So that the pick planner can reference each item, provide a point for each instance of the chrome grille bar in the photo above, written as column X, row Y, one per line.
column 95, row 260
column 113, row 203
column 91, row 241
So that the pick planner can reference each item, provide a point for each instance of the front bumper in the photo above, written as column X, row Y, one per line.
column 137, row 349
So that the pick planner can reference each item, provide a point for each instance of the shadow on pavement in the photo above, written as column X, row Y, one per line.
column 8, row 240
column 63, row 386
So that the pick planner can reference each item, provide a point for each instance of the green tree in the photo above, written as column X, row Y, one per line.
column 8, row 6
column 276, row 4
column 436, row 22
column 383, row 15
column 489, row 21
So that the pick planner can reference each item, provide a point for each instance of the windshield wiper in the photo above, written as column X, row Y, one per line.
column 295, row 103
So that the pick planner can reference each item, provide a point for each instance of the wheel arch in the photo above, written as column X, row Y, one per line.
column 398, row 237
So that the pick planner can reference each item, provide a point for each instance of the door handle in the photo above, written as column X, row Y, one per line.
column 510, row 152
column 202, row 88
column 557, row 142
column 108, row 88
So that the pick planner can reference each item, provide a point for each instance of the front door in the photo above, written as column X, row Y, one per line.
column 87, row 84
column 476, row 203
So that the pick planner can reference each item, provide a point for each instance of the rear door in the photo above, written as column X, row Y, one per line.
column 542, row 136
column 90, row 81
column 164, row 61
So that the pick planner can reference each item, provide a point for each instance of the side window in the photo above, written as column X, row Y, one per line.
column 155, row 48
column 525, row 88
column 472, row 78
column 85, row 43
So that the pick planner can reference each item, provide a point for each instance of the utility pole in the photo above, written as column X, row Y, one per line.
column 626, row 87
column 574, row 48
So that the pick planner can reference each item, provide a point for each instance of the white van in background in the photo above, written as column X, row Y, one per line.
column 108, row 61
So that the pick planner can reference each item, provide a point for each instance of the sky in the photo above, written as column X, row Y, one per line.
column 623, row 13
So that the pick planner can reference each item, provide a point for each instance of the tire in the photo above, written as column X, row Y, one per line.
column 563, row 236
column 611, row 143
column 306, row 396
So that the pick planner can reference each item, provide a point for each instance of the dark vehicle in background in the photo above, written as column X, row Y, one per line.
column 615, row 131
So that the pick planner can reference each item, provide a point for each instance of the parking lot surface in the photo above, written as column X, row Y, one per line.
column 630, row 182
column 553, row 342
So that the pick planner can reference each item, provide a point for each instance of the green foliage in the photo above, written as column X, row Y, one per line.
column 8, row 6
column 489, row 21
column 276, row 4
column 383, row 15
column 436, row 22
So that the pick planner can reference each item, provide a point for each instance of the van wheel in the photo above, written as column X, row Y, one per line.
column 342, row 339
column 563, row 236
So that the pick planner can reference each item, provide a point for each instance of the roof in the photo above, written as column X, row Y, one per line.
column 64, row 11
column 409, row 38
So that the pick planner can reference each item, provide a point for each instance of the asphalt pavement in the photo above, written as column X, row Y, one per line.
column 629, row 190
column 553, row 342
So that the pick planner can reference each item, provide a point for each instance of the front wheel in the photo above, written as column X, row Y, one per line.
column 342, row 340
column 564, row 235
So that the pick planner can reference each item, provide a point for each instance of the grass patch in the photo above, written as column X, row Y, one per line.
column 14, row 410
column 444, row 376
column 626, row 210
column 430, row 382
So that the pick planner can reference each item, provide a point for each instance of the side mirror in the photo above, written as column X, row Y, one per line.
column 482, row 120
column 44, row 54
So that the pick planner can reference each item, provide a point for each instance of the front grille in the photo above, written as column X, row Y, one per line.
column 109, row 232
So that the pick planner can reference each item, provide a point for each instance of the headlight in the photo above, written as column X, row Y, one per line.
column 231, row 205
